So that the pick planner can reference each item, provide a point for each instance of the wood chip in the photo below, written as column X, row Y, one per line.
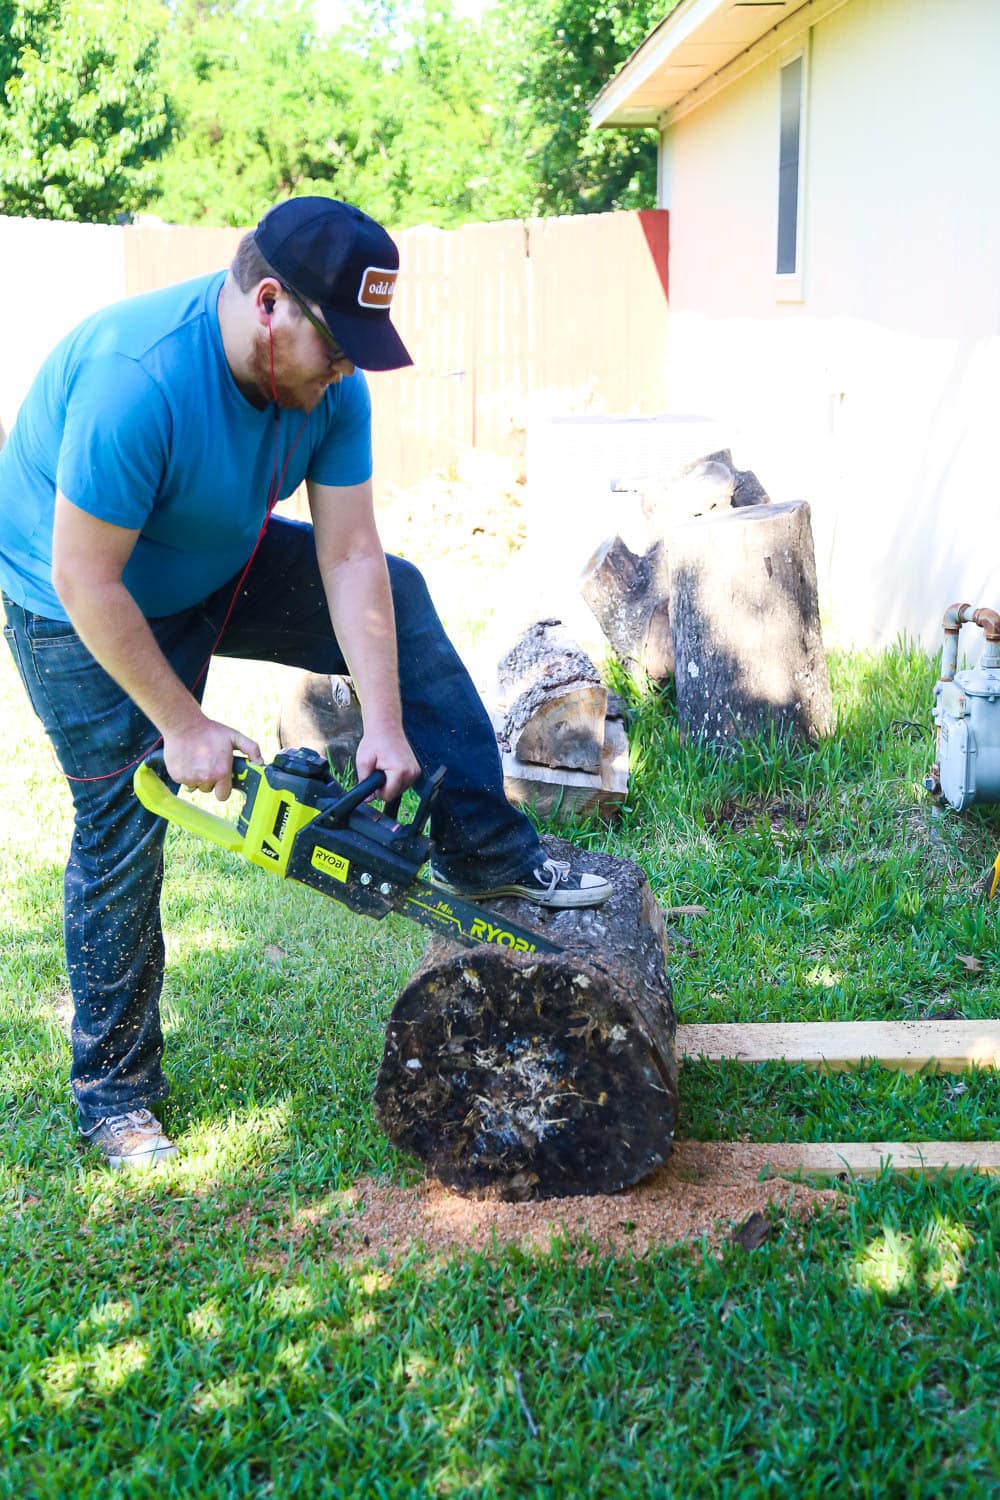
column 752, row 1232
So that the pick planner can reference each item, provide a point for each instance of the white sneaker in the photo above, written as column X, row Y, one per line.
column 134, row 1139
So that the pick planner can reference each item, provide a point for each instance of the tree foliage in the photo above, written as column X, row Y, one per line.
column 267, row 108
column 207, row 111
column 83, row 118
column 553, row 58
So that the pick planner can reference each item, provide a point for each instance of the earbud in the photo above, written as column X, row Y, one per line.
column 269, row 305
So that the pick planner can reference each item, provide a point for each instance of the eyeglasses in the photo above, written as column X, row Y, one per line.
column 335, row 351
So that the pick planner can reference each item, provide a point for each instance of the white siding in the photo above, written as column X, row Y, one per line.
column 876, row 397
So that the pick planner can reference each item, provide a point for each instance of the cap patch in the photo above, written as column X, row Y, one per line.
column 377, row 287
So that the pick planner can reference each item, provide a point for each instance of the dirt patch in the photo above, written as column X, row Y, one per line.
column 780, row 815
column 62, row 1011
column 708, row 1188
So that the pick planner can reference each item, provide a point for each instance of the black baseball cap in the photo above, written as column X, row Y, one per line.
column 334, row 255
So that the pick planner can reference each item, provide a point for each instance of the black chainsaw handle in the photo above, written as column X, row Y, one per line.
column 346, row 804
column 426, row 788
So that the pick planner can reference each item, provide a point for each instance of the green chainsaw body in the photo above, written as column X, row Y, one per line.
column 299, row 823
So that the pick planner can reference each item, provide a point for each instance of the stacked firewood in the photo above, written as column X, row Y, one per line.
column 723, row 599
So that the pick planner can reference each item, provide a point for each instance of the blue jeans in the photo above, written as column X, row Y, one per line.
column 114, row 941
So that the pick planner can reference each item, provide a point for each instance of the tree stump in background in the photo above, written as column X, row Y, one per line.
column 745, row 621
column 629, row 597
column 556, row 702
column 323, row 713
column 521, row 1076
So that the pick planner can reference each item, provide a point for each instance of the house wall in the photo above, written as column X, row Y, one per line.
column 875, row 396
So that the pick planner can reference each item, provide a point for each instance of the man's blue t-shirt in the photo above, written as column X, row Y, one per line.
column 136, row 418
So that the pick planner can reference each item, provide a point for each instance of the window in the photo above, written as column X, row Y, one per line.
column 791, row 174
column 788, row 167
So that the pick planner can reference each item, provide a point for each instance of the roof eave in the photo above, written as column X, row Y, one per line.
column 695, row 50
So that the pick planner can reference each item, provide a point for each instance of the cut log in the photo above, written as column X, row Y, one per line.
column 698, row 488
column 745, row 623
column 746, row 488
column 629, row 597
column 322, row 713
column 517, row 1076
column 556, row 702
column 568, row 796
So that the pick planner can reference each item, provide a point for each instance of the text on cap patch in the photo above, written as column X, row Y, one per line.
column 377, row 287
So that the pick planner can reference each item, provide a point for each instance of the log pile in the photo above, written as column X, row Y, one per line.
column 629, row 593
column 561, row 734
column 524, row 1076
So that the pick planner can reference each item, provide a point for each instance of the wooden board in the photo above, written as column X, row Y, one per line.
column 939, row 1046
column 846, row 1158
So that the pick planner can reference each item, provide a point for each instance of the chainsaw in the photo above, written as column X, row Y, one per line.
column 301, row 824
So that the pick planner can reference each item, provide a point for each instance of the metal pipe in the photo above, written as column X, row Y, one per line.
column 957, row 615
column 989, row 621
column 954, row 619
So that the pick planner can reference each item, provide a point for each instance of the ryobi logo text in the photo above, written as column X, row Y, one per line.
column 330, row 864
column 485, row 932
column 377, row 286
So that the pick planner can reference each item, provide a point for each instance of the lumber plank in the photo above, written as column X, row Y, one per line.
column 938, row 1046
column 842, row 1158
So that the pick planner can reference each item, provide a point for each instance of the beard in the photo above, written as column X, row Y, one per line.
column 291, row 390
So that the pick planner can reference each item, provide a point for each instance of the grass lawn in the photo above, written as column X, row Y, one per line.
column 179, row 1334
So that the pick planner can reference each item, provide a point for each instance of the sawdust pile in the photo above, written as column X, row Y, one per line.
column 708, row 1188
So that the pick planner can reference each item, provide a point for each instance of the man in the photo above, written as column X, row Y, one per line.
column 135, row 490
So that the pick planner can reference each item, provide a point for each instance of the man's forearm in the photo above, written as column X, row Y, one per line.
column 360, row 602
column 115, row 632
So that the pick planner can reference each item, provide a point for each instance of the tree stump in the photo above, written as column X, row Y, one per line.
column 556, row 702
column 629, row 597
column 745, row 621
column 519, row 1076
column 323, row 713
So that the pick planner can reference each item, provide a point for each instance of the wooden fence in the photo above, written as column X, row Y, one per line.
column 515, row 321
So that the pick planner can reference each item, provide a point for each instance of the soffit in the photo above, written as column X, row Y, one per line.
column 696, row 41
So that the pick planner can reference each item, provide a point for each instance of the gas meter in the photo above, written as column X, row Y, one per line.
column 967, row 715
